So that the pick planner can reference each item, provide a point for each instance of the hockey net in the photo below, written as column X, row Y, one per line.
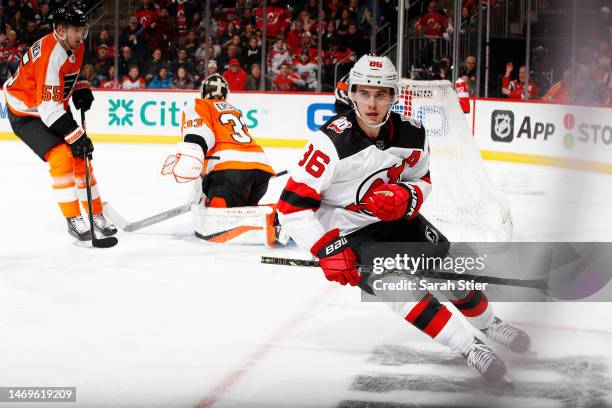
column 464, row 203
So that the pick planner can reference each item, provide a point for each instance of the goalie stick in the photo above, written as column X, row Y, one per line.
column 128, row 226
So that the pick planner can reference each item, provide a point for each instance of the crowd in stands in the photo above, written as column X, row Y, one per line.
column 165, row 45
column 588, row 81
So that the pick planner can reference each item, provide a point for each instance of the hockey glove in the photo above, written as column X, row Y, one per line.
column 79, row 143
column 82, row 97
column 336, row 258
column 187, row 164
column 390, row 202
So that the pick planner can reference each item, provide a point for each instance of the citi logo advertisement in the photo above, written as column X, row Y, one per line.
column 594, row 133
column 503, row 128
column 125, row 112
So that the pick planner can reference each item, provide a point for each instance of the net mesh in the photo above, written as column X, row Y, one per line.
column 464, row 203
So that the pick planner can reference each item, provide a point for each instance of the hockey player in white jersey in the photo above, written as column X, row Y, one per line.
column 362, row 179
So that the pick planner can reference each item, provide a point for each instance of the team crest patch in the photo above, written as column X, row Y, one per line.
column 340, row 125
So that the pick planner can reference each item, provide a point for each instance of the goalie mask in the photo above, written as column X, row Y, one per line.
column 371, row 70
column 214, row 87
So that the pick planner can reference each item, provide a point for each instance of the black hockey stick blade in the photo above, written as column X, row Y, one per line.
column 107, row 242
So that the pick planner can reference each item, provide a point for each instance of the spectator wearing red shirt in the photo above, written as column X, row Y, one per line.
column 278, row 18
column 307, row 47
column 516, row 89
column 10, row 51
column 147, row 14
column 235, row 76
column 185, row 14
column 294, row 36
column 433, row 23
column 161, row 33
column 287, row 80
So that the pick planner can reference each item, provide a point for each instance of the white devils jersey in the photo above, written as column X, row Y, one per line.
column 341, row 167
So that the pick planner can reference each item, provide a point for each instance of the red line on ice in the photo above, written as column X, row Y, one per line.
column 233, row 377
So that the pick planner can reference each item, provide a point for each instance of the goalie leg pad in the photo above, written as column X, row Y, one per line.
column 237, row 225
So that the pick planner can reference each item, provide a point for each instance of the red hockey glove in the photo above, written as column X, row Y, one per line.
column 392, row 201
column 337, row 259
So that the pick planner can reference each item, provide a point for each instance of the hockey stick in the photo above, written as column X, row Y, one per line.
column 539, row 284
column 128, row 226
column 107, row 242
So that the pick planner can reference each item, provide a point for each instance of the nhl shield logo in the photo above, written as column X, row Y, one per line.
column 502, row 126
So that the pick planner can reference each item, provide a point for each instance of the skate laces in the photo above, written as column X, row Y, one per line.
column 79, row 224
column 501, row 332
column 101, row 221
column 480, row 356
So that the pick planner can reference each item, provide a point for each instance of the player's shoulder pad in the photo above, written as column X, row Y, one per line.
column 411, row 131
column 340, row 129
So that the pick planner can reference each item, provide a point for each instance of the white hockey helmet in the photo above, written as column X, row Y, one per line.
column 373, row 70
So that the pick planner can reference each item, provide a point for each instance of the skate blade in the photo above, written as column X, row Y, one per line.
column 503, row 383
column 107, row 242
column 82, row 244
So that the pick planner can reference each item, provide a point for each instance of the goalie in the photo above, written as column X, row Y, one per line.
column 234, row 171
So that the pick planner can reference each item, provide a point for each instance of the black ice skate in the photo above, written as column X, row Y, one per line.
column 509, row 336
column 104, row 226
column 481, row 357
column 78, row 228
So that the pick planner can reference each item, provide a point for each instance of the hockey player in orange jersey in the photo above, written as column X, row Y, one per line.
column 37, row 98
column 234, row 169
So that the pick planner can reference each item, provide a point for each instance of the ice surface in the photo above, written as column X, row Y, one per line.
column 158, row 322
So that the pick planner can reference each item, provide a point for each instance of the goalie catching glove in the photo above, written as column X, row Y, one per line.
column 336, row 258
column 187, row 164
column 390, row 202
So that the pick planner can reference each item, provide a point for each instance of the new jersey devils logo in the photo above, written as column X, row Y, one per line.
column 366, row 188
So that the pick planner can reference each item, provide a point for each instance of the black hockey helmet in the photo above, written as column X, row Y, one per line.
column 71, row 13
column 214, row 87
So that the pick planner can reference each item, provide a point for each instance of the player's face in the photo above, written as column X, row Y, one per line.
column 75, row 36
column 373, row 103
